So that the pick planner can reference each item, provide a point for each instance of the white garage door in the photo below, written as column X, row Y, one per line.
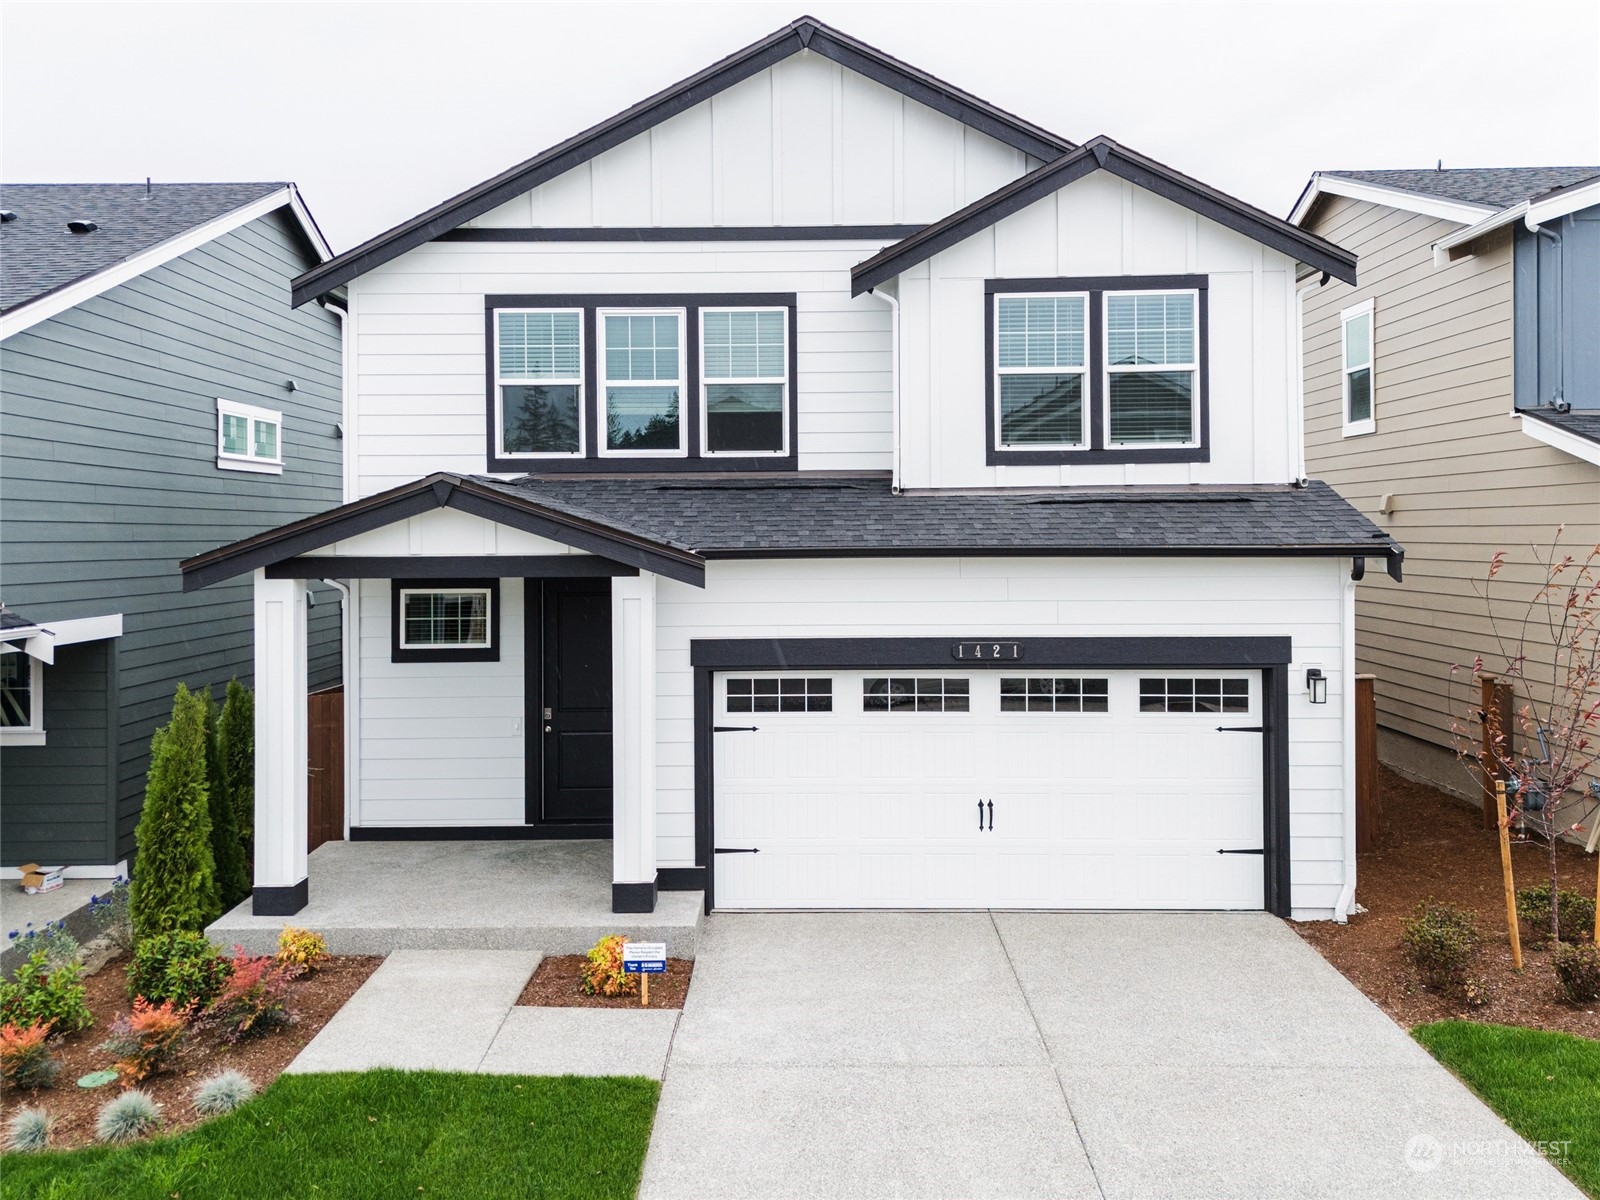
column 988, row 789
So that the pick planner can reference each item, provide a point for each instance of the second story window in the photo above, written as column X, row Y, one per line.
column 249, row 438
column 641, row 382
column 1152, row 368
column 1356, row 346
column 1041, row 363
column 744, row 372
column 539, row 382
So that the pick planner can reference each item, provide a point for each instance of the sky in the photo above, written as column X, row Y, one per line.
column 380, row 110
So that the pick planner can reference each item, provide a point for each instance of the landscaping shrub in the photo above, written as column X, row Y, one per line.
column 301, row 948
column 128, row 1118
column 236, row 745
column 1578, row 969
column 604, row 975
column 25, row 1058
column 1440, row 940
column 147, row 1042
column 181, row 966
column 1476, row 992
column 174, row 884
column 255, row 1000
column 1576, row 914
column 222, row 1093
column 227, row 849
column 29, row 1130
column 110, row 913
column 41, row 996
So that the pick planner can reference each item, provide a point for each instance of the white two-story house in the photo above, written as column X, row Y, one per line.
column 836, row 492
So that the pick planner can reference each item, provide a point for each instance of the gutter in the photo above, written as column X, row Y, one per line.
column 350, row 679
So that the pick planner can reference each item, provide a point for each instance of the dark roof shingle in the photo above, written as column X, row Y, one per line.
column 1493, row 187
column 39, row 255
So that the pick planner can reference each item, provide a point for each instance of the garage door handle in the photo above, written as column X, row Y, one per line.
column 1257, row 850
column 991, row 816
column 1241, row 728
column 980, row 816
column 740, row 850
column 734, row 728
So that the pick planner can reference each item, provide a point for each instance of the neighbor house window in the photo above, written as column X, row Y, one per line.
column 445, row 620
column 539, row 382
column 1356, row 346
column 744, row 371
column 642, row 382
column 1152, row 368
column 21, row 698
column 1041, row 368
column 249, row 438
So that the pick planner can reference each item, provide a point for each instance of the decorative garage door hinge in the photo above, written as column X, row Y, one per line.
column 1257, row 850
column 1241, row 728
column 734, row 728
column 739, row 850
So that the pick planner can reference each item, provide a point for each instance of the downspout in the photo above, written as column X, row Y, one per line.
column 1347, row 700
column 1297, row 422
column 1558, row 400
column 348, row 679
column 346, row 425
column 894, row 380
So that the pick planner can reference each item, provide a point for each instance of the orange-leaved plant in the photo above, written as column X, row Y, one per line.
column 147, row 1041
column 255, row 1000
column 301, row 948
column 25, row 1058
column 604, row 975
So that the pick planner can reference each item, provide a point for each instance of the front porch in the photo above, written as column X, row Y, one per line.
column 553, row 897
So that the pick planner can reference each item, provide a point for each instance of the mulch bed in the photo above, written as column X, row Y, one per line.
column 314, row 999
column 1431, row 845
column 558, row 983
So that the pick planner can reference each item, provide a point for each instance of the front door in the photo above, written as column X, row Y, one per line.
column 572, row 785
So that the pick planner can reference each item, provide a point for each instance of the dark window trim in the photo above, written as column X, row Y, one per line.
column 1269, row 655
column 491, row 653
column 688, row 407
column 1097, row 286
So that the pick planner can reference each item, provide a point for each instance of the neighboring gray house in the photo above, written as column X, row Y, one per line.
column 1453, row 395
column 158, row 395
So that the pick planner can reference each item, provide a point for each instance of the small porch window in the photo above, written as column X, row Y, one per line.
column 21, row 698
column 442, row 620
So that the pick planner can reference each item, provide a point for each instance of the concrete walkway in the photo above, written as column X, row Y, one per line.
column 1054, row 1055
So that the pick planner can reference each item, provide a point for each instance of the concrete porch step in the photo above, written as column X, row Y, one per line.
column 545, row 897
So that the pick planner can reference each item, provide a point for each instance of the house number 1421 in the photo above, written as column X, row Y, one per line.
column 986, row 650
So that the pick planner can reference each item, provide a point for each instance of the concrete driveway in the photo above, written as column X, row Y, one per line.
column 1054, row 1055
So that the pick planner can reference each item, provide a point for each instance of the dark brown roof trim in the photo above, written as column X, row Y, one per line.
column 687, row 233
column 1103, row 154
column 440, row 490
column 806, row 33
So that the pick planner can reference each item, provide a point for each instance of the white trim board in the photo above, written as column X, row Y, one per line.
column 1561, row 439
column 117, row 870
column 27, row 315
column 1533, row 213
column 1323, row 184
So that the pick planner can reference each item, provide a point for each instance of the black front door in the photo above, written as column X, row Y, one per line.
column 572, row 783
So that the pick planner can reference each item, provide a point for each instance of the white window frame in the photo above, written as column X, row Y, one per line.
column 1346, row 316
column 249, row 461
column 31, row 734
column 500, row 383
column 602, row 383
column 488, row 623
column 705, row 407
column 1108, row 370
column 1085, row 396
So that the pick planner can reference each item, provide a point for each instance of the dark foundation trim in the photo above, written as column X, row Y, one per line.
column 280, row 901
column 633, row 897
column 681, row 879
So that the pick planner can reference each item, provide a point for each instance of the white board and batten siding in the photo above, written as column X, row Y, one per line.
column 805, row 142
column 1022, row 598
column 1101, row 225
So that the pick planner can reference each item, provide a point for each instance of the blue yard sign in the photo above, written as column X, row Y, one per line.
column 644, row 958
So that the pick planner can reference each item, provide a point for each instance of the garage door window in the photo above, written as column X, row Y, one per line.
column 780, row 695
column 1055, row 695
column 916, row 695
column 1188, row 695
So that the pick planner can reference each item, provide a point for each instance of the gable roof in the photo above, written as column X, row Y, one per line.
column 807, row 33
column 46, row 268
column 1103, row 154
column 1461, row 194
column 1576, row 431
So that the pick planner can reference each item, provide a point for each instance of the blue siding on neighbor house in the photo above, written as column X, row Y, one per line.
column 108, row 478
column 1558, row 284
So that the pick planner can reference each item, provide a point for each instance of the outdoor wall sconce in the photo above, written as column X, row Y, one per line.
column 1317, row 685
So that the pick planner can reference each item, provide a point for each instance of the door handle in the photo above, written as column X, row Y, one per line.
column 991, row 816
column 980, row 816
column 549, row 729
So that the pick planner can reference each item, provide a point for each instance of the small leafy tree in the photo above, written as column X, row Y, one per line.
column 1547, row 646
column 236, row 745
column 227, row 851
column 174, row 881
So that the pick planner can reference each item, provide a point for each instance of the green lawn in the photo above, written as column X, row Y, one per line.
column 1545, row 1085
column 378, row 1133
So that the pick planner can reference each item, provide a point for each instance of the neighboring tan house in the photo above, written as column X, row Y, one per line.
column 157, row 392
column 832, row 491
column 1453, row 394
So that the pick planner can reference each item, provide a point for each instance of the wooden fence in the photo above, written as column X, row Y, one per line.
column 1369, row 808
column 325, row 759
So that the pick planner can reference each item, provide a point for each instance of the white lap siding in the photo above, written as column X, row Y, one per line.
column 1303, row 599
column 439, row 743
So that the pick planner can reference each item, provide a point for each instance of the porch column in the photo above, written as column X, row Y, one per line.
column 280, row 833
column 633, row 743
